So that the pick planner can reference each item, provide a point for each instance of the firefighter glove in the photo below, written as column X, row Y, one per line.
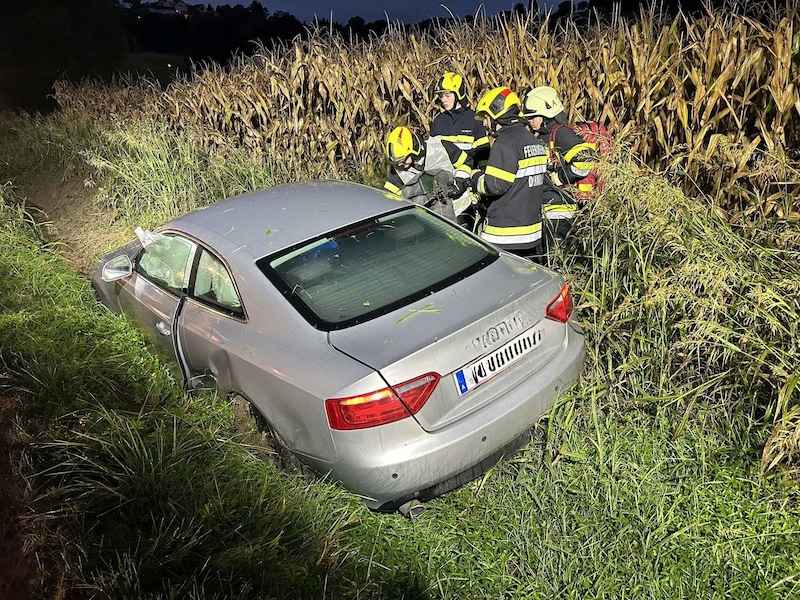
column 459, row 186
column 474, row 179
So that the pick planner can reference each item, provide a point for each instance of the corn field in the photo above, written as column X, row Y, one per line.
column 714, row 101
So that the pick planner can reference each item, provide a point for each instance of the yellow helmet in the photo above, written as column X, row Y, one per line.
column 403, row 142
column 451, row 82
column 542, row 101
column 498, row 104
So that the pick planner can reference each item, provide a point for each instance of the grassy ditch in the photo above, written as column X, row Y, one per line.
column 649, row 482
column 134, row 489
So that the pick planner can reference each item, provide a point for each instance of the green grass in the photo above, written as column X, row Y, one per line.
column 33, row 148
column 149, row 174
column 158, row 504
column 648, row 483
column 57, row 346
column 646, row 516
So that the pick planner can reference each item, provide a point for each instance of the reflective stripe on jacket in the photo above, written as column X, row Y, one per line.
column 460, row 127
column 429, row 182
column 554, row 211
column 573, row 157
column 513, row 184
column 558, row 203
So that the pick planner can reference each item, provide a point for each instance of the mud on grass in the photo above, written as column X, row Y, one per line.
column 81, row 229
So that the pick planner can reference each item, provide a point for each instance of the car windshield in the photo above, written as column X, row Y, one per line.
column 370, row 268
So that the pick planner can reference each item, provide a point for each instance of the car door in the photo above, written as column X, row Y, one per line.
column 210, row 324
column 153, row 294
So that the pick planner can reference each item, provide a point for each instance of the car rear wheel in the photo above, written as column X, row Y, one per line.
column 280, row 453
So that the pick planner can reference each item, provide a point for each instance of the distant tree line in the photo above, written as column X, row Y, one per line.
column 42, row 40
column 207, row 34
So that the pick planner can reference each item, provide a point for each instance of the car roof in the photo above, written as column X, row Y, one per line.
column 266, row 221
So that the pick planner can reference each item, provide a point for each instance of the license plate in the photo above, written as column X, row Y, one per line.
column 483, row 369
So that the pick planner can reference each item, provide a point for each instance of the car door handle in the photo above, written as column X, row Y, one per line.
column 163, row 328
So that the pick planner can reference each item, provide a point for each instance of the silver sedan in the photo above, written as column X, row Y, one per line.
column 387, row 347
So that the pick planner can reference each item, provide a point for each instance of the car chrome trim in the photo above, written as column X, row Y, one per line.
column 500, row 332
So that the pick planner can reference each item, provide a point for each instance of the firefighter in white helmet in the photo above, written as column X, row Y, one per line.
column 571, row 158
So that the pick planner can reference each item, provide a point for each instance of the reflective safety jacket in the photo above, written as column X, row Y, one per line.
column 572, row 159
column 513, row 184
column 460, row 127
column 430, row 182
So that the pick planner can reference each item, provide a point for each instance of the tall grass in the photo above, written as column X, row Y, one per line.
column 687, row 312
column 684, row 310
column 162, row 507
column 57, row 347
column 150, row 173
column 34, row 147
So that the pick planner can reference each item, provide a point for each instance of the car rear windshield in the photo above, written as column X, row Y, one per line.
column 371, row 268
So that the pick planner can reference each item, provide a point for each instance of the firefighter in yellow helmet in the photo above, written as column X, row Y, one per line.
column 513, row 180
column 427, row 172
column 456, row 123
column 571, row 158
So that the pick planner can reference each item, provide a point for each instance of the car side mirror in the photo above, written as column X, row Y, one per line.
column 118, row 267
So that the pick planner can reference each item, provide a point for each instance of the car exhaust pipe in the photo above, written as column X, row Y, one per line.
column 411, row 509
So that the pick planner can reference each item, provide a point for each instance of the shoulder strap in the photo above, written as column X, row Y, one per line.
column 551, row 144
column 552, row 137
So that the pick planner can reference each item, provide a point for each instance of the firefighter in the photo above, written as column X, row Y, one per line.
column 513, row 180
column 456, row 123
column 429, row 172
column 571, row 158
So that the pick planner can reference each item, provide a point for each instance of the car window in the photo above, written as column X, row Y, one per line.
column 371, row 268
column 166, row 261
column 213, row 285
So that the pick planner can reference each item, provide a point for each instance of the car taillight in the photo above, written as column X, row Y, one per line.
column 415, row 393
column 561, row 307
column 382, row 406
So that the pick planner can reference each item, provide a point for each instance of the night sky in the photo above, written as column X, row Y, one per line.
column 407, row 11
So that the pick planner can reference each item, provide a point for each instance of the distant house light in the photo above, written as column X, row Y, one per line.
column 167, row 7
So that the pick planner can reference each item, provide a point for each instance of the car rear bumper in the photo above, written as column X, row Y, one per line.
column 394, row 463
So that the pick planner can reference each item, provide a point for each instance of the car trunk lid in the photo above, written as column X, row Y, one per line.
column 489, row 323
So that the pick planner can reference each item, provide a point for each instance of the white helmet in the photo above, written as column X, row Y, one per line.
column 542, row 101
